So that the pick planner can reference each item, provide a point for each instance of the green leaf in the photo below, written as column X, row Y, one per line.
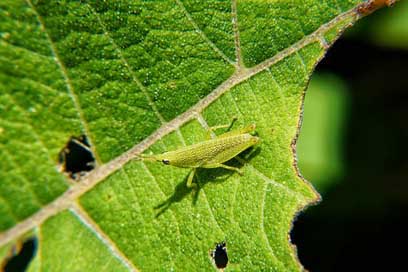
column 137, row 75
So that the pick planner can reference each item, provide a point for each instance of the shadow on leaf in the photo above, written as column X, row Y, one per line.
column 202, row 177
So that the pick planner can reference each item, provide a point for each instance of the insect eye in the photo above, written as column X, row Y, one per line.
column 166, row 161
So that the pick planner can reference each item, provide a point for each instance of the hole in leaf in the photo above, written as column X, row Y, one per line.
column 20, row 256
column 76, row 158
column 220, row 256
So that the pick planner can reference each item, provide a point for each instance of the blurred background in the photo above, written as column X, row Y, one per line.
column 353, row 149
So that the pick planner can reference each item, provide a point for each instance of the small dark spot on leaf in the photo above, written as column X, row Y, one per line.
column 20, row 256
column 219, row 255
column 76, row 158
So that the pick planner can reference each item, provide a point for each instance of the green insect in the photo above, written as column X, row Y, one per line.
column 211, row 153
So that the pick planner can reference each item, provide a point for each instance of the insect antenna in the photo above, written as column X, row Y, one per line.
column 144, row 157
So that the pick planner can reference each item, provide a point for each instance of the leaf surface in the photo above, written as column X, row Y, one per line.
column 137, row 75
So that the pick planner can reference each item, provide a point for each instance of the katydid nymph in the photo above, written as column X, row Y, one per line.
column 211, row 153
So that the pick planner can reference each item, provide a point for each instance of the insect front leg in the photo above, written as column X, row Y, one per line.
column 190, row 178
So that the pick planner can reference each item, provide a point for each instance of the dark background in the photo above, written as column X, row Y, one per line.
column 361, row 224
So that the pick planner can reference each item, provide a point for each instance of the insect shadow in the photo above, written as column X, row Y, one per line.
column 202, row 178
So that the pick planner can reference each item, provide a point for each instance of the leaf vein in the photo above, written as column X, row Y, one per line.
column 84, row 218
column 202, row 34
column 25, row 178
column 17, row 48
column 235, row 30
column 128, row 67
column 9, row 209
column 262, row 225
column 36, row 134
column 163, row 194
column 67, row 80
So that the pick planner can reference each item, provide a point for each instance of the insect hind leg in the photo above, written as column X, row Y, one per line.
column 248, row 129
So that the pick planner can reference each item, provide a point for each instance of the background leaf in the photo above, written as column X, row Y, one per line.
column 320, row 146
column 132, row 75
